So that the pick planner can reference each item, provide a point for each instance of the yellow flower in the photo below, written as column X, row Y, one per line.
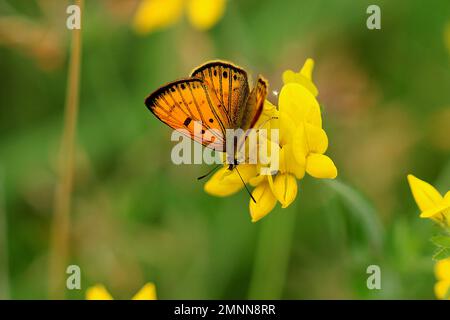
column 442, row 273
column 99, row 292
column 152, row 15
column 265, row 201
column 430, row 201
column 301, row 146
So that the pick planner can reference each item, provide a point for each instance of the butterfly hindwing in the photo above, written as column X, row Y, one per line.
column 187, row 103
column 229, row 83
column 254, row 104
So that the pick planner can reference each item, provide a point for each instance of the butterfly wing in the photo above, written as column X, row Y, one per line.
column 229, row 84
column 255, row 104
column 187, row 103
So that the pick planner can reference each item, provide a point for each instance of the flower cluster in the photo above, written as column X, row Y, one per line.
column 302, row 145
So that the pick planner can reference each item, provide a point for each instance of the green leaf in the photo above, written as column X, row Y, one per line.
column 441, row 241
column 362, row 210
column 442, row 254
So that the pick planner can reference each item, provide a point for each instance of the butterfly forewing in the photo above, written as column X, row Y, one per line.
column 229, row 84
column 188, row 104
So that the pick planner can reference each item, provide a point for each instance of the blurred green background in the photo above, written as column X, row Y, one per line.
column 136, row 217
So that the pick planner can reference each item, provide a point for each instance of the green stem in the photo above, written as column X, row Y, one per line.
column 272, row 255
column 63, row 194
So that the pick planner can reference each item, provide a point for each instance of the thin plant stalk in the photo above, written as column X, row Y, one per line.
column 4, row 261
column 63, row 194
column 272, row 256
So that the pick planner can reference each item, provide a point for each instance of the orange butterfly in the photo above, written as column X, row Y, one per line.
column 217, row 96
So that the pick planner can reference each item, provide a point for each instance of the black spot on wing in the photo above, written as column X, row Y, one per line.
column 187, row 121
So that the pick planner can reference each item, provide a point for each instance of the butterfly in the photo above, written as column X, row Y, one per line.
column 215, row 95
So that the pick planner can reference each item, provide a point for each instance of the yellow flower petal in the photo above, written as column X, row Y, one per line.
column 441, row 289
column 290, row 164
column 265, row 201
column 284, row 188
column 425, row 195
column 220, row 187
column 304, row 77
column 98, row 292
column 436, row 212
column 257, row 180
column 247, row 172
column 307, row 69
column 225, row 183
column 289, row 76
column 269, row 111
column 442, row 269
column 316, row 139
column 320, row 166
column 204, row 14
column 447, row 198
column 147, row 292
column 287, row 128
column 300, row 145
column 299, row 104
column 156, row 14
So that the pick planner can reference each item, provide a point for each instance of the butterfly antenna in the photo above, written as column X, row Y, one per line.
column 246, row 188
column 209, row 172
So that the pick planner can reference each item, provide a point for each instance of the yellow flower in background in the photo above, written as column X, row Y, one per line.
column 442, row 273
column 430, row 201
column 99, row 292
column 302, row 144
column 147, row 292
column 154, row 15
